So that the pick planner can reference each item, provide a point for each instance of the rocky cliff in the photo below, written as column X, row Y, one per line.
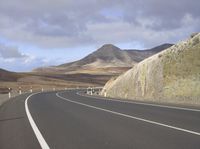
column 172, row 75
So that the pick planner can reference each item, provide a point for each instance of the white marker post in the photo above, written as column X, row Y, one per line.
column 31, row 90
column 91, row 91
column 20, row 90
column 9, row 94
column 105, row 94
column 42, row 89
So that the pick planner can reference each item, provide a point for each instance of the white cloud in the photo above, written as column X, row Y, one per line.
column 10, row 52
column 64, row 24
column 11, row 58
column 27, row 64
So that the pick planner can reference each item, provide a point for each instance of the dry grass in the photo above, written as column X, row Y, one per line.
column 58, row 81
column 100, row 71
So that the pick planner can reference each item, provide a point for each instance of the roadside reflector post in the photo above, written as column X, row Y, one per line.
column 89, row 90
column 42, row 89
column 31, row 90
column 9, row 94
column 105, row 94
column 20, row 90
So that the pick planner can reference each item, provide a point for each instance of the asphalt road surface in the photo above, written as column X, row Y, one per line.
column 67, row 120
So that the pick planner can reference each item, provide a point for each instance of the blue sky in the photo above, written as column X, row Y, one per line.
column 50, row 32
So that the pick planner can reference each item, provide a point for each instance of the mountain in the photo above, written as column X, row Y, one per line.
column 107, row 55
column 172, row 75
column 107, row 59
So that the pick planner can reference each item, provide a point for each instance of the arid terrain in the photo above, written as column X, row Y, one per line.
column 93, row 70
column 48, row 81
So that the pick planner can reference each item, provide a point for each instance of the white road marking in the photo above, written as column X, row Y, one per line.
column 146, row 104
column 129, row 116
column 37, row 132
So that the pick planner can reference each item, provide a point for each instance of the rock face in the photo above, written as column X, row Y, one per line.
column 172, row 75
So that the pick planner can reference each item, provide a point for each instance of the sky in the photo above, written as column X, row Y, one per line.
column 39, row 33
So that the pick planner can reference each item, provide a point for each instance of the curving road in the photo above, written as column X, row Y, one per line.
column 67, row 120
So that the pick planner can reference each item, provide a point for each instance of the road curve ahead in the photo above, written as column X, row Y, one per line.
column 67, row 120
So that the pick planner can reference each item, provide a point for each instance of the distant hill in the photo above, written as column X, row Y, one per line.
column 8, row 76
column 172, row 75
column 105, row 60
column 139, row 55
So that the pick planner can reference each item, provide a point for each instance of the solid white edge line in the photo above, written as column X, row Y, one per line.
column 132, row 117
column 37, row 132
column 140, row 103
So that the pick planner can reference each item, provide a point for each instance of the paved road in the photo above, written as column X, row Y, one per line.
column 66, row 120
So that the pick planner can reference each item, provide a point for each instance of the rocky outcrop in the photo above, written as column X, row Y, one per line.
column 172, row 75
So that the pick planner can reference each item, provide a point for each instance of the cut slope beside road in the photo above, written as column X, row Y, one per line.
column 172, row 75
